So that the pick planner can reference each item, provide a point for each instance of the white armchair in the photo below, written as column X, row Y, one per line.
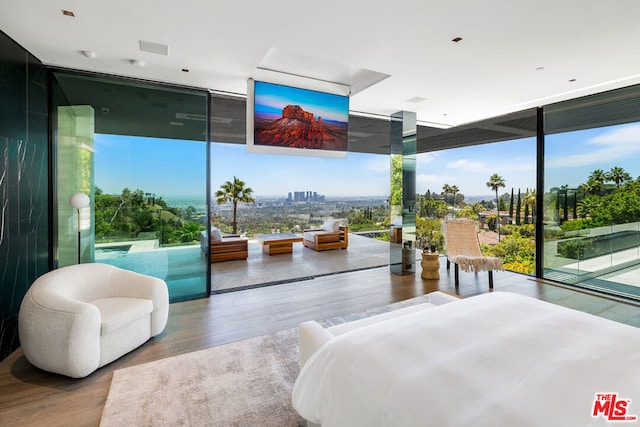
column 76, row 319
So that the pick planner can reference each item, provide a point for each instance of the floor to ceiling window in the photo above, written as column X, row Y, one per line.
column 294, row 193
column 485, row 172
column 592, row 192
column 140, row 152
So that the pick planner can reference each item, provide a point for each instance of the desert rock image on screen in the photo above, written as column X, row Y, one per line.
column 298, row 128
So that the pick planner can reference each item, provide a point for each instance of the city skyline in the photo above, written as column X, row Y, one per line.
column 173, row 168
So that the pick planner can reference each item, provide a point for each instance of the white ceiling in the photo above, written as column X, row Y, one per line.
column 492, row 71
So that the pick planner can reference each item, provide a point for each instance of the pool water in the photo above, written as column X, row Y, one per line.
column 112, row 252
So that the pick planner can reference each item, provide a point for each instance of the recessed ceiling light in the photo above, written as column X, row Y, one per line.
column 540, row 69
column 138, row 63
column 416, row 99
column 185, row 70
column 89, row 53
column 572, row 80
column 68, row 13
column 457, row 39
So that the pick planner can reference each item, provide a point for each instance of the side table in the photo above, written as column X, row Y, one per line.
column 430, row 265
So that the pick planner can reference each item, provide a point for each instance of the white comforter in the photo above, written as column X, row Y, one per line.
column 493, row 360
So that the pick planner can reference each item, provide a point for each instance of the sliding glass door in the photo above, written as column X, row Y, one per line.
column 140, row 152
column 592, row 192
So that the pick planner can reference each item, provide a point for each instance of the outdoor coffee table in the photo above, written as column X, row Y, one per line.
column 278, row 243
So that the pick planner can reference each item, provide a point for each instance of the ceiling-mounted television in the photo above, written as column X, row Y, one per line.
column 295, row 121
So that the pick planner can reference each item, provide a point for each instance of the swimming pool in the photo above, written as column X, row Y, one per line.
column 111, row 252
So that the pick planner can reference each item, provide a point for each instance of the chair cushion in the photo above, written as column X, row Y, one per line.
column 115, row 313
column 310, row 236
column 331, row 225
column 216, row 235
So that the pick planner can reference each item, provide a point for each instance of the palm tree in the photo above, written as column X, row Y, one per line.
column 588, row 205
column 599, row 175
column 495, row 182
column 531, row 200
column 593, row 186
column 234, row 192
column 618, row 175
column 454, row 190
column 446, row 189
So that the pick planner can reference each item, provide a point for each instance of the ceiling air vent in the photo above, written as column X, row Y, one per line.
column 157, row 48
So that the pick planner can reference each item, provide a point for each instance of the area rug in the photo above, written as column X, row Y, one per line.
column 245, row 383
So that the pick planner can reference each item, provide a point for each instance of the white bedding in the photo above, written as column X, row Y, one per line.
column 497, row 359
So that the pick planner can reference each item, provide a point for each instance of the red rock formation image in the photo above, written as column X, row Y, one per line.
column 298, row 128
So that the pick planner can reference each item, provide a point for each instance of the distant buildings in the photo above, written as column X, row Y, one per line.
column 305, row 196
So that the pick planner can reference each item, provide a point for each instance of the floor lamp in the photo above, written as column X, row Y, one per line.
column 79, row 201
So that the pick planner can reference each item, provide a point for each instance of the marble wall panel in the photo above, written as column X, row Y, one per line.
column 24, row 182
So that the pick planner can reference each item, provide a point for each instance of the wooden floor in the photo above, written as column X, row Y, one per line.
column 30, row 397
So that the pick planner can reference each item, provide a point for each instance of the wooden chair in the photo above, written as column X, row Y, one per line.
column 463, row 249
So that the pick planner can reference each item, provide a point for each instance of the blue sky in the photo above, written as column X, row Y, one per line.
column 469, row 168
column 154, row 165
column 171, row 167
column 276, row 175
column 572, row 157
column 271, row 98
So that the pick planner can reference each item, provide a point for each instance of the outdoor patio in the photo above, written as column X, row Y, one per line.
column 260, row 269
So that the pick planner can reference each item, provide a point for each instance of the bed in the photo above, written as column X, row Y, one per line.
column 497, row 359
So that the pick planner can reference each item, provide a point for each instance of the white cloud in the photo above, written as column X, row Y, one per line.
column 608, row 147
column 466, row 165
column 423, row 159
column 379, row 164
column 425, row 180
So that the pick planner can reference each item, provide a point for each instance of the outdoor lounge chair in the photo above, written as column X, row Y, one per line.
column 224, row 248
column 463, row 249
column 330, row 236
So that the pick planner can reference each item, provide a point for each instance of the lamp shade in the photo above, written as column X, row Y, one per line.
column 79, row 201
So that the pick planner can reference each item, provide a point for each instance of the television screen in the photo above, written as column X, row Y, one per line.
column 289, row 120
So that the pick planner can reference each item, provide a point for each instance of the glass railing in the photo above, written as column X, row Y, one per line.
column 606, row 258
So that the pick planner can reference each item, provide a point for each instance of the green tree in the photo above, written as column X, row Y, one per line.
column 588, row 205
column 599, row 175
column 430, row 208
column 234, row 192
column 495, row 183
column 429, row 232
column 511, row 207
column 454, row 190
column 518, row 208
column 477, row 207
column 530, row 200
column 618, row 175
column 446, row 190
column 516, row 252
column 396, row 181
column 189, row 232
column 593, row 186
